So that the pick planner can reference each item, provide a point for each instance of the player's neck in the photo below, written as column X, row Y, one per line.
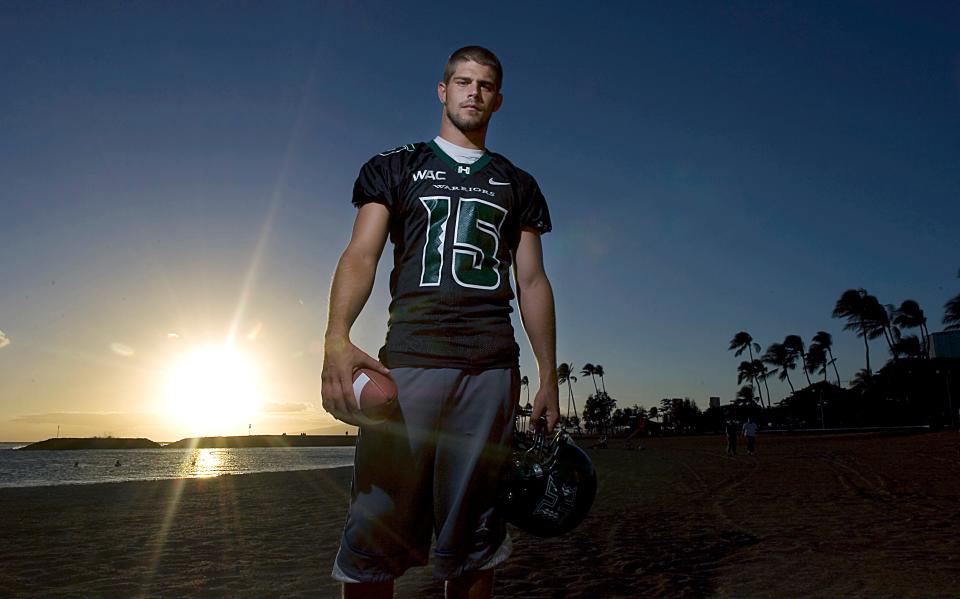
column 473, row 140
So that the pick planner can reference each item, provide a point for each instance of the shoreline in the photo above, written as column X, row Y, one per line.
column 166, row 479
column 221, row 442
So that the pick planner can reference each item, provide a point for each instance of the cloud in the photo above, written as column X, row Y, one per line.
column 92, row 419
column 4, row 340
column 286, row 407
column 121, row 349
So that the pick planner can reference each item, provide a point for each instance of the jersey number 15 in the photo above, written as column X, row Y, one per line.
column 476, row 239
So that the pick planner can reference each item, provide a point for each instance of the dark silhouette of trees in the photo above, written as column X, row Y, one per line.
column 816, row 360
column 627, row 418
column 654, row 413
column 909, row 316
column 598, row 410
column 861, row 380
column 752, row 371
column 951, row 315
column 745, row 397
column 853, row 306
column 565, row 376
column 680, row 415
column 824, row 340
column 778, row 356
column 599, row 371
column 909, row 346
column 741, row 342
column 590, row 371
column 910, row 388
column 794, row 346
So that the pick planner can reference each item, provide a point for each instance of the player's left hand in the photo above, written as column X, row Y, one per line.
column 547, row 404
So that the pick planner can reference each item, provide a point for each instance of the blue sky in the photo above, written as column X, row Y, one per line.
column 168, row 168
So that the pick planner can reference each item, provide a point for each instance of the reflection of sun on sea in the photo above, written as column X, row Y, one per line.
column 213, row 390
column 204, row 463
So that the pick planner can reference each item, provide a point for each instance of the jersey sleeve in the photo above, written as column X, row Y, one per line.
column 534, row 213
column 373, row 185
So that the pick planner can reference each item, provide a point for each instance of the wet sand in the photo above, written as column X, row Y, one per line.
column 808, row 516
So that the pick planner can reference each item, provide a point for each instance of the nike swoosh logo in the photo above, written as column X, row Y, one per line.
column 492, row 182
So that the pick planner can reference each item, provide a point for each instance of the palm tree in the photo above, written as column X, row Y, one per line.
column 862, row 379
column 779, row 356
column 816, row 360
column 852, row 306
column 878, row 322
column 741, row 342
column 564, row 375
column 951, row 315
column 590, row 370
column 745, row 397
column 910, row 316
column 824, row 340
column 598, row 370
column 910, row 346
column 761, row 372
column 745, row 372
column 751, row 371
column 794, row 345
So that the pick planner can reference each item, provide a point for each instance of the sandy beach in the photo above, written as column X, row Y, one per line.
column 808, row 516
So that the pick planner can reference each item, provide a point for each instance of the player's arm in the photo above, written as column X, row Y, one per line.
column 535, row 298
column 352, row 283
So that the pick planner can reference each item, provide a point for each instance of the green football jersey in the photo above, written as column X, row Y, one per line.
column 454, row 228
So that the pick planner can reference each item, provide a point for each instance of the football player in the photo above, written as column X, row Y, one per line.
column 459, row 217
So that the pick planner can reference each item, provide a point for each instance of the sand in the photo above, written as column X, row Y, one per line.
column 826, row 516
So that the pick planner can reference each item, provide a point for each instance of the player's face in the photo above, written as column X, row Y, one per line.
column 471, row 97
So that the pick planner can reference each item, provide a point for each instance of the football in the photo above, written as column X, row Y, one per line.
column 376, row 395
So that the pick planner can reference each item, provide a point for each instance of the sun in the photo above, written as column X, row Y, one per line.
column 214, row 390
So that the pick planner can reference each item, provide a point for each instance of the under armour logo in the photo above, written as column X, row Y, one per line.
column 463, row 170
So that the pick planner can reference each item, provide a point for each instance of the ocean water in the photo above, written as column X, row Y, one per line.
column 44, row 468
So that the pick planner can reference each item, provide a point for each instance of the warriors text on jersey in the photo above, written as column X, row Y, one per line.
column 455, row 228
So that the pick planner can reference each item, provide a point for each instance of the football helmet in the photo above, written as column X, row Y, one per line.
column 548, row 483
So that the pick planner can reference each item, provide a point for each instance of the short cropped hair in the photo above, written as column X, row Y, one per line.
column 477, row 54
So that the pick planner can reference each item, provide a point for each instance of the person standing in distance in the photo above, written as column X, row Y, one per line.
column 732, row 431
column 459, row 217
column 750, row 432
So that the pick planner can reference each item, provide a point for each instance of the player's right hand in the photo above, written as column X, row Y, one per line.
column 341, row 359
column 546, row 404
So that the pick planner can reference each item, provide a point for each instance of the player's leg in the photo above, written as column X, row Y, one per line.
column 390, row 519
column 475, row 441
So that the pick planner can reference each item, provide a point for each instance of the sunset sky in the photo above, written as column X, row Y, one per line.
column 175, row 179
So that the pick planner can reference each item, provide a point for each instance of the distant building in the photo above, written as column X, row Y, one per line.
column 714, row 402
column 945, row 344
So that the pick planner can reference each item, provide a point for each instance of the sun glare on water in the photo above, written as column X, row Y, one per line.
column 214, row 390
